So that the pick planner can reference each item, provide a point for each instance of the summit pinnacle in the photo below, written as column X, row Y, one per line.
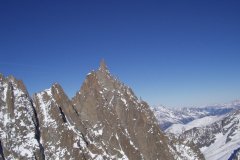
column 103, row 67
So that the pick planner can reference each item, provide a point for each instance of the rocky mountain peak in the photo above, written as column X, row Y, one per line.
column 105, row 120
column 57, row 90
column 103, row 67
column 11, row 80
column 123, row 121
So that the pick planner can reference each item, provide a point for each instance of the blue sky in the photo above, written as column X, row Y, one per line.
column 175, row 53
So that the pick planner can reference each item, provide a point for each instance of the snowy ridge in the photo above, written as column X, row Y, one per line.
column 226, row 141
column 16, row 114
column 217, row 140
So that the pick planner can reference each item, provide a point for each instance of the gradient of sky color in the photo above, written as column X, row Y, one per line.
column 175, row 53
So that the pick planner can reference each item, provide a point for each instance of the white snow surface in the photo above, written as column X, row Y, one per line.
column 223, row 133
column 180, row 128
column 222, row 149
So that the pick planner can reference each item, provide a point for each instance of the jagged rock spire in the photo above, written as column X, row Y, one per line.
column 103, row 67
column 1, row 76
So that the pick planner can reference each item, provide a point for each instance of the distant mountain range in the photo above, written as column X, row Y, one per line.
column 168, row 116
column 215, row 130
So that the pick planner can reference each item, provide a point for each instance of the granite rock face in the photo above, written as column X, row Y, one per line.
column 126, row 125
column 104, row 121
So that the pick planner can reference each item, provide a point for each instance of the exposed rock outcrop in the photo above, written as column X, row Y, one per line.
column 126, row 125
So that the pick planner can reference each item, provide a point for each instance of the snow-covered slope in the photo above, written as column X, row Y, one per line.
column 213, row 129
column 201, row 122
column 219, row 140
column 169, row 116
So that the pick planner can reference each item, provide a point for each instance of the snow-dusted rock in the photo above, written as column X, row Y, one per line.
column 128, row 127
column 19, row 135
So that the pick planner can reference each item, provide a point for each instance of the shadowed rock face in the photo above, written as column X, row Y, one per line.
column 105, row 120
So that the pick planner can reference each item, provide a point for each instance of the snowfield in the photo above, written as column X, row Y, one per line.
column 201, row 122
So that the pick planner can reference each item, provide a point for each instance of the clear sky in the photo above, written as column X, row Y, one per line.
column 175, row 53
